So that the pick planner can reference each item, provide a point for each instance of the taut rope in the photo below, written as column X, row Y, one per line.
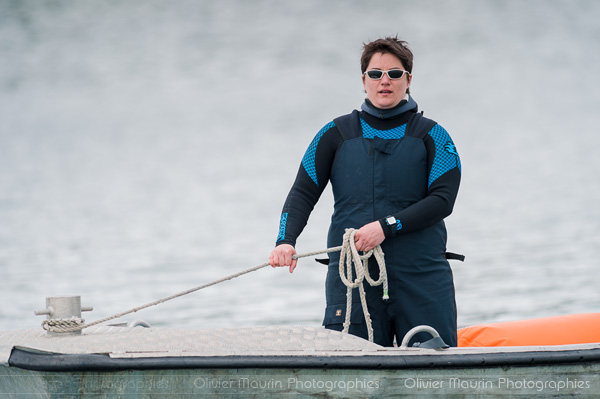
column 74, row 324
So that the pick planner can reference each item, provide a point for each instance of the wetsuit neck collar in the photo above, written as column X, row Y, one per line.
column 406, row 104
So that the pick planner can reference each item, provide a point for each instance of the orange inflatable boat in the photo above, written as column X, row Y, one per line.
column 558, row 330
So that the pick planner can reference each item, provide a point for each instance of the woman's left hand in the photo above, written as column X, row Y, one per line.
column 369, row 236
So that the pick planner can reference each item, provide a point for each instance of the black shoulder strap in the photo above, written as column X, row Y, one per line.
column 418, row 126
column 348, row 125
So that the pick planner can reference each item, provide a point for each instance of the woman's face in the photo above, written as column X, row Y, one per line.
column 386, row 93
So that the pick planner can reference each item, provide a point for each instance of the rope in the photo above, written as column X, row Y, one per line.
column 74, row 325
column 63, row 325
column 349, row 256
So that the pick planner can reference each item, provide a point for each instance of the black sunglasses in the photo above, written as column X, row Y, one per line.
column 393, row 74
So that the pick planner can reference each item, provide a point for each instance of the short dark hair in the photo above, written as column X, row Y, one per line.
column 387, row 45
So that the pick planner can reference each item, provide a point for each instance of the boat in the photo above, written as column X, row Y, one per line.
column 135, row 360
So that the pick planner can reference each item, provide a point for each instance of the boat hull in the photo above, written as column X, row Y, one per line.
column 566, row 380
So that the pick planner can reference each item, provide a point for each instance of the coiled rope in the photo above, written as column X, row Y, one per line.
column 78, row 324
column 349, row 257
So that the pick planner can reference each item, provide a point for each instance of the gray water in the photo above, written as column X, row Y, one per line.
column 146, row 147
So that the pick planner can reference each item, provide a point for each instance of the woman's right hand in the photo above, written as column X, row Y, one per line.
column 281, row 256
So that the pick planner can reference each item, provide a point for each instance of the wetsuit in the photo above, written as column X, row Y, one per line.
column 407, row 179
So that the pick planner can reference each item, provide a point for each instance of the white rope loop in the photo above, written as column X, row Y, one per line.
column 350, row 257
column 72, row 324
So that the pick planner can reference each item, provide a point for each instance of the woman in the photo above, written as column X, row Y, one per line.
column 395, row 176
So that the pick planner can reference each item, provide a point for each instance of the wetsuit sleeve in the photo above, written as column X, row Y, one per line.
column 311, row 180
column 444, row 179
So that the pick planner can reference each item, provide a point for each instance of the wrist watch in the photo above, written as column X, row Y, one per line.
column 390, row 220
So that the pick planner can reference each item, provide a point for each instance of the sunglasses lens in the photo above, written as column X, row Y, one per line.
column 374, row 74
column 395, row 73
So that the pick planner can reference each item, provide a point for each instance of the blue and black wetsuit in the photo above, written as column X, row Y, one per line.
column 383, row 165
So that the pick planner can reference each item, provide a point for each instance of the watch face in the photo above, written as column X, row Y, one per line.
column 390, row 220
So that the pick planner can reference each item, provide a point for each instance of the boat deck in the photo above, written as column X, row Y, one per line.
column 286, row 344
